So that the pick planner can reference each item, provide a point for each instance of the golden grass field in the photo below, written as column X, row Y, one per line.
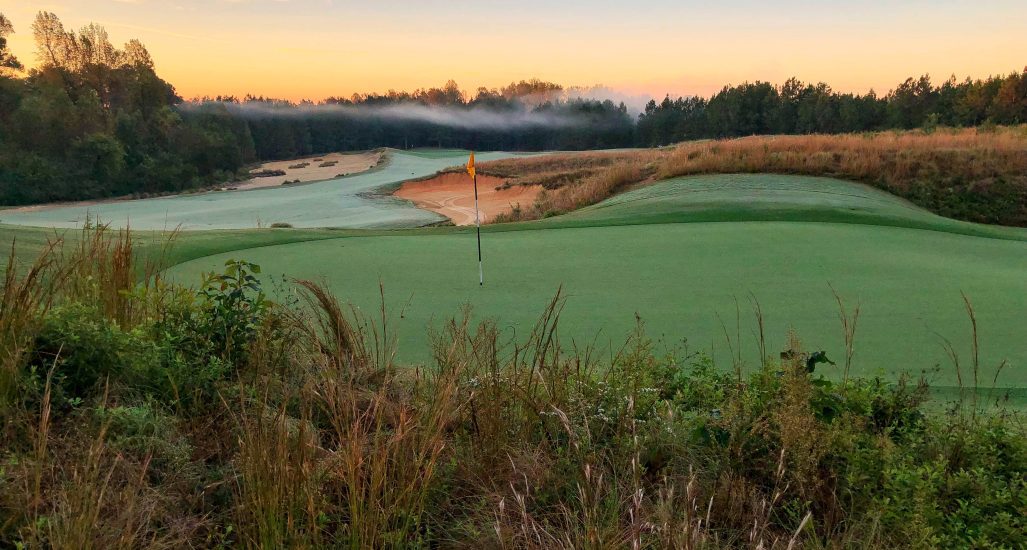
column 944, row 171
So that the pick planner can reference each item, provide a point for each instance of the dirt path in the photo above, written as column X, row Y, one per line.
column 452, row 195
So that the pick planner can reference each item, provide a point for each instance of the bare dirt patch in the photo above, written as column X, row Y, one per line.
column 317, row 168
column 452, row 195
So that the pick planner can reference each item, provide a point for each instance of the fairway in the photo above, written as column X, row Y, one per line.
column 635, row 254
column 351, row 202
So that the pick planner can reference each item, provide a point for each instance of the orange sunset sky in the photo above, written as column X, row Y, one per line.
column 317, row 48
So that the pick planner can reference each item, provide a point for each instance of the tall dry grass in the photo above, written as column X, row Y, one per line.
column 24, row 300
column 362, row 448
column 103, row 268
column 76, row 490
column 277, row 486
column 591, row 190
column 894, row 158
column 553, row 171
column 973, row 174
column 570, row 180
column 85, row 494
column 529, row 427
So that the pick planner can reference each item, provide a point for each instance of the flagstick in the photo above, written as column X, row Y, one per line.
column 477, row 222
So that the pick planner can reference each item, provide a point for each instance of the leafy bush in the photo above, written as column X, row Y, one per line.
column 233, row 308
column 85, row 349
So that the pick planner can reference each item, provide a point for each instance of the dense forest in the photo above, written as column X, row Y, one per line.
column 92, row 120
column 799, row 108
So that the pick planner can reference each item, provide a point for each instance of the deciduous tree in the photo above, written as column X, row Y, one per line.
column 7, row 59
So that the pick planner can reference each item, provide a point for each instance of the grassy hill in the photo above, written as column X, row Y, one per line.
column 765, row 197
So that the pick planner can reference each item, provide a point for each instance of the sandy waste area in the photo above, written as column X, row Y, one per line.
column 452, row 195
column 321, row 167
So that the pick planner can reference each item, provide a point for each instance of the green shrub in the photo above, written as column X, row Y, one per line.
column 85, row 350
column 191, row 366
column 233, row 307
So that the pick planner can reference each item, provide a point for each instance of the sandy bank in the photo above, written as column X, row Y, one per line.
column 452, row 195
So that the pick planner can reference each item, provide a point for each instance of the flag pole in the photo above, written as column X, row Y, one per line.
column 477, row 223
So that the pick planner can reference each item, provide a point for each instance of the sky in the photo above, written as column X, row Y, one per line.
column 296, row 49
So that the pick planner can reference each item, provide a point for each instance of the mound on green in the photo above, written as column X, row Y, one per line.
column 631, row 256
column 351, row 202
column 766, row 197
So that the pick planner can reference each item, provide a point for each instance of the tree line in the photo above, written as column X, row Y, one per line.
column 93, row 120
column 801, row 108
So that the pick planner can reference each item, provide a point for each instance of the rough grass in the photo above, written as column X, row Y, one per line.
column 969, row 174
column 972, row 174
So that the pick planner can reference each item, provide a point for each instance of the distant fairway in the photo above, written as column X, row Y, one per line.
column 656, row 252
column 340, row 202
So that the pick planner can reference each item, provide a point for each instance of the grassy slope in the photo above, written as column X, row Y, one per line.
column 747, row 197
column 628, row 256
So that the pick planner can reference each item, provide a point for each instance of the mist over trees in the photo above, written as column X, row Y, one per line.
column 281, row 129
column 524, row 116
column 93, row 120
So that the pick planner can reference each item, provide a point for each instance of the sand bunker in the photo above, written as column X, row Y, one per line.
column 321, row 167
column 452, row 195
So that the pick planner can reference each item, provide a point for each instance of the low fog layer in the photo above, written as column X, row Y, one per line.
column 467, row 118
column 548, row 110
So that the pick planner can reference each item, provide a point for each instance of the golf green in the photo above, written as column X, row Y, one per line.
column 662, row 254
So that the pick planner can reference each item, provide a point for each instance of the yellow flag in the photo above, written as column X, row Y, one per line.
column 470, row 165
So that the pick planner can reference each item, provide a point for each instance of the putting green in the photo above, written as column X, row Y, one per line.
column 342, row 202
column 634, row 254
